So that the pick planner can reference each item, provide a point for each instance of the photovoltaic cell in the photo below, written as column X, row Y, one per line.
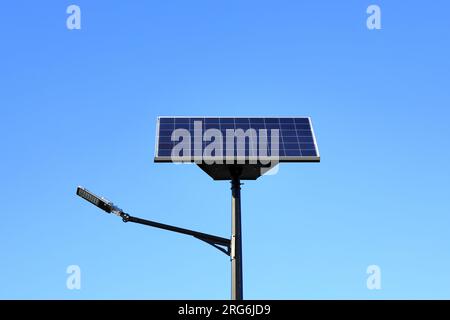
column 296, row 136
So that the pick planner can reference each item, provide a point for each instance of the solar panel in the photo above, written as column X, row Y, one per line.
column 211, row 140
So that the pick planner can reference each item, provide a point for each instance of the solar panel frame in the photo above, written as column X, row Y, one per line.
column 226, row 119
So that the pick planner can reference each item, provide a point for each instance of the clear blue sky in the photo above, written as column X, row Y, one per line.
column 79, row 108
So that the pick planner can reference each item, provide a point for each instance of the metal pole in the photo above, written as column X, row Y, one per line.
column 236, row 240
column 199, row 235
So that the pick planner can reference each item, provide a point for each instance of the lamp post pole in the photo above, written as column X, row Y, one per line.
column 236, row 240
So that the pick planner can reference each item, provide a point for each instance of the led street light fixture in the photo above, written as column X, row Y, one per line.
column 100, row 202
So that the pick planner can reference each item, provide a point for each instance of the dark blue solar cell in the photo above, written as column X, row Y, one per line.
column 165, row 145
column 307, row 146
column 270, row 126
column 227, row 126
column 290, row 139
column 286, row 126
column 165, row 139
column 257, row 120
column 243, row 126
column 212, row 120
column 291, row 152
column 308, row 139
column 182, row 120
column 211, row 126
column 303, row 127
column 301, row 120
column 272, row 120
column 258, row 126
column 289, row 133
column 227, row 120
column 165, row 133
column 166, row 120
column 164, row 152
column 166, row 126
column 304, row 133
column 291, row 145
column 309, row 153
column 182, row 126
column 286, row 121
